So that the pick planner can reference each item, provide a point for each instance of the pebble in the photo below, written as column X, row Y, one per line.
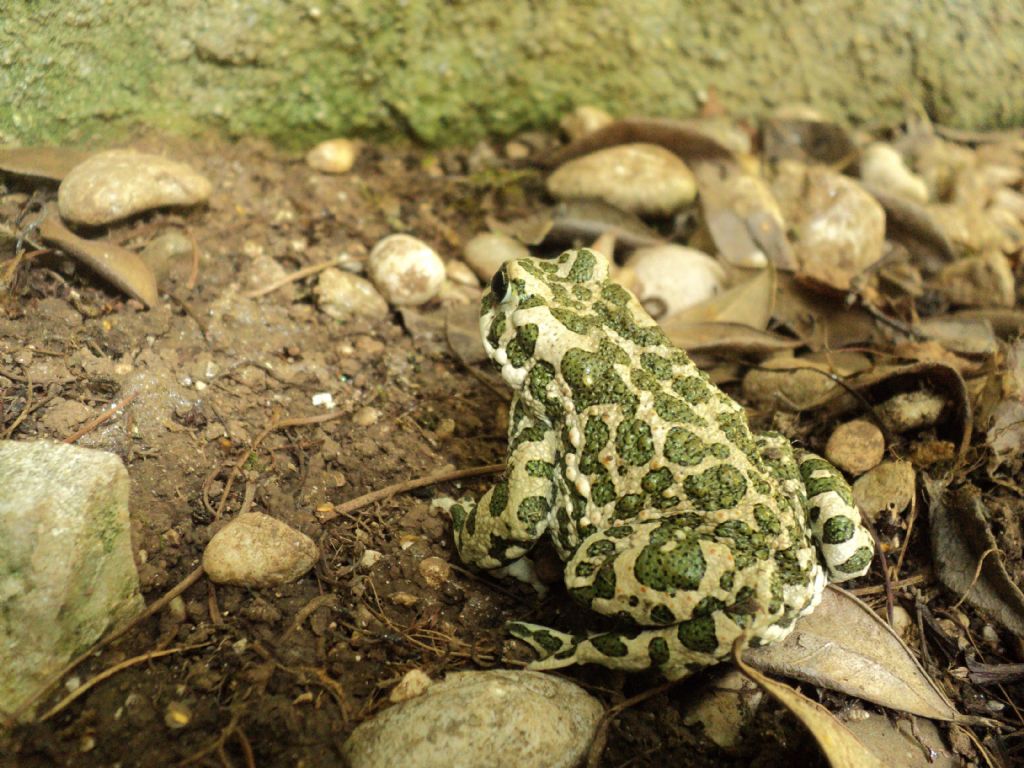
column 484, row 720
column 256, row 550
column 883, row 166
column 366, row 416
column 460, row 274
column 344, row 296
column 333, row 155
column 789, row 390
column 406, row 271
column 984, row 280
column 435, row 571
column 486, row 252
column 177, row 715
column 412, row 684
column 370, row 558
column 583, row 120
column 645, row 179
column 119, row 183
column 168, row 250
column 888, row 487
column 842, row 231
column 669, row 278
column 902, row 621
column 912, row 410
column 856, row 446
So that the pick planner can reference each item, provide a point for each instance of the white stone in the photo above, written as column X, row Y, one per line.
column 118, row 183
column 669, row 278
column 333, row 155
column 488, row 719
column 344, row 296
column 882, row 166
column 405, row 270
column 66, row 568
column 486, row 252
column 256, row 550
column 645, row 179
column 583, row 120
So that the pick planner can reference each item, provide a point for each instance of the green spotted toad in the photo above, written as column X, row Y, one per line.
column 670, row 515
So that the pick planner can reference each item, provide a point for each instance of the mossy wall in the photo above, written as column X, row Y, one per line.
column 442, row 71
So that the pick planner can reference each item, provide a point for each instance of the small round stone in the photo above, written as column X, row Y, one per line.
column 645, row 179
column 405, row 270
column 412, row 684
column 434, row 571
column 460, row 273
column 486, row 252
column 119, row 183
column 889, row 487
column 882, row 166
column 168, row 250
column 343, row 296
column 333, row 155
column 669, row 278
column 177, row 715
column 366, row 416
column 256, row 550
column 856, row 446
column 583, row 120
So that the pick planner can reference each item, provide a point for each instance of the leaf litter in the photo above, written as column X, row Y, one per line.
column 940, row 376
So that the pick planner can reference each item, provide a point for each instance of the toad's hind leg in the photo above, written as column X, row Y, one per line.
column 631, row 650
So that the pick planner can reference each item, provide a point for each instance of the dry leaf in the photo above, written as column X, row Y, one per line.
column 40, row 162
column 462, row 326
column 750, row 303
column 961, row 541
column 808, row 141
column 964, row 336
column 819, row 320
column 577, row 221
column 914, row 227
column 118, row 265
column 905, row 742
column 732, row 337
column 841, row 747
column 845, row 647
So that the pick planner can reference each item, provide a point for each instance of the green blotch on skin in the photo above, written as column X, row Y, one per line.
column 683, row 447
column 522, row 346
column 594, row 380
column 675, row 410
column 657, row 480
column 832, row 480
column 458, row 513
column 668, row 569
column 541, row 469
column 767, row 519
column 601, row 548
column 837, row 530
column 533, row 510
column 497, row 328
column 615, row 294
column 602, row 492
column 693, row 389
column 657, row 649
column 634, row 442
column 857, row 562
column 660, row 614
column 582, row 270
column 644, row 380
column 602, row 587
column 629, row 505
column 546, row 640
column 734, row 426
column 698, row 634
column 720, row 487
column 610, row 645
column 585, row 569
column 657, row 365
column 619, row 532
column 499, row 499
column 574, row 322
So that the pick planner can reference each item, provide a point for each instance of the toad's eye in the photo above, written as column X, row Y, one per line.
column 499, row 284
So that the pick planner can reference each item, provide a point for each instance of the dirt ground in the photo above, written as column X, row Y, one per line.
column 281, row 676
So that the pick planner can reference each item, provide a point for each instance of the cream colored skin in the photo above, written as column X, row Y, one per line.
column 669, row 513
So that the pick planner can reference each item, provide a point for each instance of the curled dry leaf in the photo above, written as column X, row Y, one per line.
column 914, row 227
column 960, row 335
column 963, row 545
column 686, row 140
column 819, row 320
column 912, row 742
column 733, row 337
column 840, row 746
column 743, row 218
column 118, row 265
column 579, row 220
column 844, row 646
column 749, row 303
column 40, row 162
column 808, row 141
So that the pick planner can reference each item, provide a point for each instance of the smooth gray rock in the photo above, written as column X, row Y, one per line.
column 481, row 720
column 66, row 567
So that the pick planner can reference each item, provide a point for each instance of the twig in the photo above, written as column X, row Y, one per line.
column 601, row 736
column 193, row 275
column 274, row 425
column 407, row 485
column 906, row 539
column 89, row 426
column 977, row 575
column 878, row 589
column 886, row 578
column 110, row 672
column 292, row 277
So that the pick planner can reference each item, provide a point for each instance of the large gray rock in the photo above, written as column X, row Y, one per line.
column 481, row 720
column 66, row 567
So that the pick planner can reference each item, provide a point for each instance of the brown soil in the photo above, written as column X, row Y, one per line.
column 281, row 676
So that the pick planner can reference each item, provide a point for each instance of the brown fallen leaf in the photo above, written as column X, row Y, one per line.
column 844, row 646
column 840, row 746
column 966, row 556
column 819, row 320
column 574, row 221
column 913, row 226
column 808, row 141
column 961, row 335
column 462, row 328
column 684, row 139
column 40, row 162
column 749, row 303
column 907, row 742
column 732, row 337
column 118, row 265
